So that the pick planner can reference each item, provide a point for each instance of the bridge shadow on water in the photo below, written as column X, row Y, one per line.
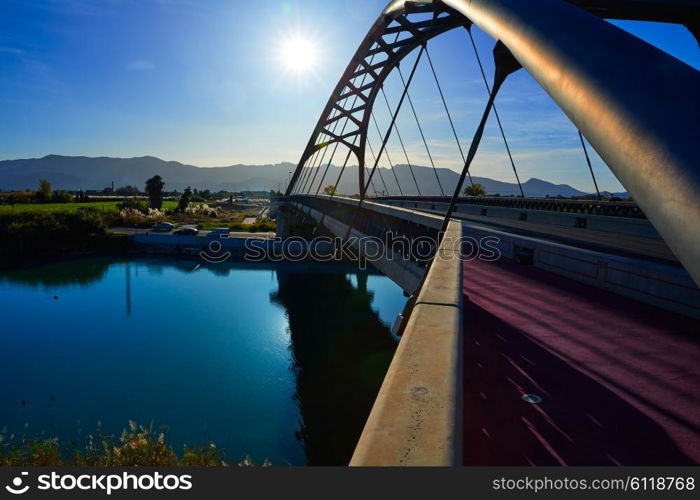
column 341, row 351
column 618, row 379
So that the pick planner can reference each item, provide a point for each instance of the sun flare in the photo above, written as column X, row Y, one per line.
column 299, row 55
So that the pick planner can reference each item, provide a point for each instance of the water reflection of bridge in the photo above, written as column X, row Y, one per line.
column 340, row 351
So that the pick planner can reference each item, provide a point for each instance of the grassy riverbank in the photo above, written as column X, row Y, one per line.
column 105, row 206
column 32, row 232
column 36, row 235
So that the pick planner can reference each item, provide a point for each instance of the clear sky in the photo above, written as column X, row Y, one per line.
column 211, row 83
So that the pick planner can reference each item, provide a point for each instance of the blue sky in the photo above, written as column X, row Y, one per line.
column 202, row 82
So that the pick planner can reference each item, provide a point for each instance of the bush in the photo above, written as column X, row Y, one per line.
column 136, row 446
column 263, row 225
column 16, row 197
column 62, row 197
column 137, row 218
column 32, row 234
column 132, row 204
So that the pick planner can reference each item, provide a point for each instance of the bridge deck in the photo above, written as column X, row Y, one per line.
column 618, row 380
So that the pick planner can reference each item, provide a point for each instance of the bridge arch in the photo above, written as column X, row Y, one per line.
column 636, row 105
column 392, row 37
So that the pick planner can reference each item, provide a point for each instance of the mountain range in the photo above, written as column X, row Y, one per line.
column 81, row 172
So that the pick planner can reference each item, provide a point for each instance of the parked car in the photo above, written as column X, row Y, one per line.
column 163, row 227
column 219, row 232
column 187, row 231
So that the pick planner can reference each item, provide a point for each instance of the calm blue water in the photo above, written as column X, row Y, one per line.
column 273, row 360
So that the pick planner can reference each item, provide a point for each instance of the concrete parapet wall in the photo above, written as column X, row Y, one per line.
column 406, row 274
column 604, row 223
column 417, row 416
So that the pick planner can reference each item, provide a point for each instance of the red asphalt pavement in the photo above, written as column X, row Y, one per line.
column 619, row 380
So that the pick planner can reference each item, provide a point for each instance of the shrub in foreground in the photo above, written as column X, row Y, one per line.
column 136, row 446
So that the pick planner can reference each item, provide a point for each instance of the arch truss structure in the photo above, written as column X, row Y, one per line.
column 347, row 116
column 636, row 105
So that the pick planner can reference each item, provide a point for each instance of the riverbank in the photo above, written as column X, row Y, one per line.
column 39, row 233
column 36, row 236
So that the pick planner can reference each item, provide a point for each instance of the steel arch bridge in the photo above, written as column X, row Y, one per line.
column 636, row 105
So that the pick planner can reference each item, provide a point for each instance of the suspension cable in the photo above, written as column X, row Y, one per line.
column 420, row 129
column 588, row 160
column 330, row 160
column 396, row 113
column 403, row 147
column 298, row 187
column 374, row 157
column 342, row 169
column 495, row 111
column 317, row 156
column 374, row 187
column 320, row 183
column 388, row 158
column 505, row 65
column 449, row 118
column 322, row 156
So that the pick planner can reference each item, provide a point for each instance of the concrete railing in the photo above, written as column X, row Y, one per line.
column 632, row 226
column 405, row 273
column 417, row 416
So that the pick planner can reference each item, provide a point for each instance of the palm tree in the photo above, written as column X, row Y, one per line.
column 475, row 190
column 154, row 190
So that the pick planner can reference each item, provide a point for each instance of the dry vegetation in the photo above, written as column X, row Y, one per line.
column 136, row 446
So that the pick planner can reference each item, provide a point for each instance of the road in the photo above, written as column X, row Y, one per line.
column 202, row 233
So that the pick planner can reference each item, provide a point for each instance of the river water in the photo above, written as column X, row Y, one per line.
column 279, row 361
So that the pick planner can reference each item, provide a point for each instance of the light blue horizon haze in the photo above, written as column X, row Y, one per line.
column 202, row 82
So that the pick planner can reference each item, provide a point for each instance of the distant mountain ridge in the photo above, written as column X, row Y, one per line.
column 88, row 173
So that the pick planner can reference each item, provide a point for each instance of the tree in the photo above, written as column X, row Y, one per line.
column 185, row 199
column 154, row 190
column 329, row 190
column 127, row 191
column 62, row 197
column 475, row 190
column 44, row 193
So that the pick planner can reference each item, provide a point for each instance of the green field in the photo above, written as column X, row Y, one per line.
column 69, row 207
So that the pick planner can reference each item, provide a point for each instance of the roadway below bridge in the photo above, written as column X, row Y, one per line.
column 618, row 380
column 201, row 233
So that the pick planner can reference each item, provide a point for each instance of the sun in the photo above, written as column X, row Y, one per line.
column 299, row 55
